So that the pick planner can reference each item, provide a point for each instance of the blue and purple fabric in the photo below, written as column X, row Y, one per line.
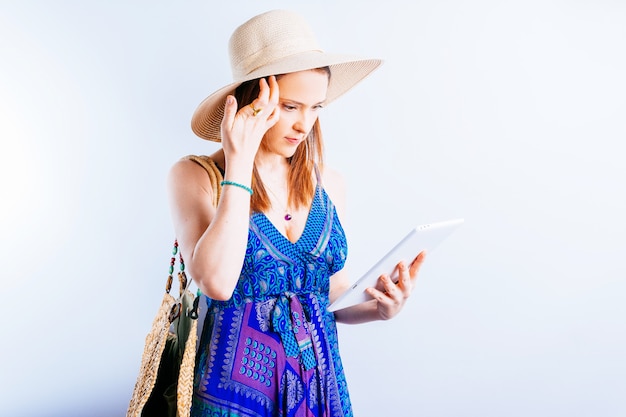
column 272, row 349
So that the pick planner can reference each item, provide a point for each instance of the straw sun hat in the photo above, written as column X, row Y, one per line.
column 272, row 43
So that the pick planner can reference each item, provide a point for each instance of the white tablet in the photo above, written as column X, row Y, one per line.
column 422, row 238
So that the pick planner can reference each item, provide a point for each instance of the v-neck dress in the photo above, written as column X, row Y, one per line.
column 272, row 348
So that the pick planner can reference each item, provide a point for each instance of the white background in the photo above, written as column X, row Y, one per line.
column 509, row 114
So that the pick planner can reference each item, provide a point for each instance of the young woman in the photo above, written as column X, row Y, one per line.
column 269, row 258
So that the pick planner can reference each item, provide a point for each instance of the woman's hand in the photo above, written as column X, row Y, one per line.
column 391, row 301
column 243, row 130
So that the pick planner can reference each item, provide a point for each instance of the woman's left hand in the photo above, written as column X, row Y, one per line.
column 391, row 301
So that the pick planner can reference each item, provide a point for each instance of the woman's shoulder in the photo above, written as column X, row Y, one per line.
column 331, row 175
column 186, row 167
column 335, row 185
column 190, row 171
column 192, row 165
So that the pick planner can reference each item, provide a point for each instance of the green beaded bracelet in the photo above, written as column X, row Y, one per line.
column 236, row 184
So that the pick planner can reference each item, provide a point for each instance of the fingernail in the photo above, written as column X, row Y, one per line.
column 229, row 100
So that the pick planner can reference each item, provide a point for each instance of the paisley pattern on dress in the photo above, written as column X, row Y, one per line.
column 272, row 348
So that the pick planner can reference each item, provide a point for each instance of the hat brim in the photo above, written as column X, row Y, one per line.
column 346, row 71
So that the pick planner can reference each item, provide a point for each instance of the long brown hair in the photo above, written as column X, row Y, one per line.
column 309, row 152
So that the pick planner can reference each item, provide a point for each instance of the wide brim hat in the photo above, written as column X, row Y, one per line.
column 273, row 43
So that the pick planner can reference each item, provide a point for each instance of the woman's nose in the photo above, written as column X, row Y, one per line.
column 303, row 122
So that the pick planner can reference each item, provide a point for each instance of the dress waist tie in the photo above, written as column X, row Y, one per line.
column 288, row 319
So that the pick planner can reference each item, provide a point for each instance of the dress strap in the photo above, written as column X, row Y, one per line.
column 318, row 175
column 320, row 185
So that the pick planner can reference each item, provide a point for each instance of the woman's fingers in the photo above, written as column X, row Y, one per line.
column 408, row 275
column 392, row 296
column 393, row 293
column 273, row 102
column 230, row 111
column 404, row 285
column 267, row 99
column 243, row 129
column 390, row 301
column 273, row 91
column 417, row 264
column 258, row 105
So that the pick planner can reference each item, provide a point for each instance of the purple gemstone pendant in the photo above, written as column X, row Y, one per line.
column 287, row 216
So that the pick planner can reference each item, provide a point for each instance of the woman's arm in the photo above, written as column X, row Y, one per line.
column 213, row 240
column 385, row 304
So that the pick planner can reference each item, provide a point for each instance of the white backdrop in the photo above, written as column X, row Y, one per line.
column 509, row 114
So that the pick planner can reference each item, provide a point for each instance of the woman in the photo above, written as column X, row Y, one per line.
column 269, row 257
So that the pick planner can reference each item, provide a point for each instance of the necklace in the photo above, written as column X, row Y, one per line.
column 286, row 210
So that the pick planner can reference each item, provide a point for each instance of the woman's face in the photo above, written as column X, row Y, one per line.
column 301, row 96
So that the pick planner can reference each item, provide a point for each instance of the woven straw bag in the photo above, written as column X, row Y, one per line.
column 164, row 386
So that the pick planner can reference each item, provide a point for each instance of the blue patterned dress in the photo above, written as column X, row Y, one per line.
column 271, row 350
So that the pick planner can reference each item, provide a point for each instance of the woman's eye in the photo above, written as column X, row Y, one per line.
column 289, row 107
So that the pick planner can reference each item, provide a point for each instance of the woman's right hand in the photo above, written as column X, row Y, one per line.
column 243, row 130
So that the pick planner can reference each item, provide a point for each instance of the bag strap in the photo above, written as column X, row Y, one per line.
column 215, row 174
